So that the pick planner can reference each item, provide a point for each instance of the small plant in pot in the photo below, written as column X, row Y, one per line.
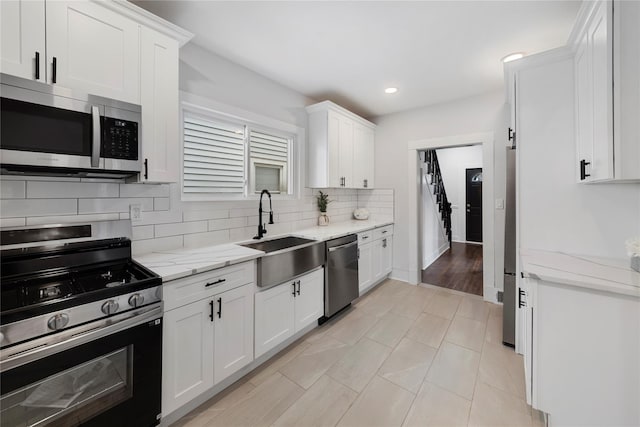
column 323, row 201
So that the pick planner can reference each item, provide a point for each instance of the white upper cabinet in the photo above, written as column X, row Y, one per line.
column 93, row 49
column 160, row 107
column 341, row 148
column 607, row 51
column 363, row 156
column 22, row 39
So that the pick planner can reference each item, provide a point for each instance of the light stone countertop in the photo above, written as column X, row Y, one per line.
column 183, row 262
column 602, row 274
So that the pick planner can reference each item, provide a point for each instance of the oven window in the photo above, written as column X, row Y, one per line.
column 72, row 396
column 43, row 129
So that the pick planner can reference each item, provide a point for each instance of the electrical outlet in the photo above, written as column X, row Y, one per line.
column 499, row 203
column 135, row 212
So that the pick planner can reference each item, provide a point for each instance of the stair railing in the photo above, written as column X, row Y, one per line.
column 444, row 207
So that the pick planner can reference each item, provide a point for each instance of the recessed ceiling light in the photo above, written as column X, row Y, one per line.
column 512, row 57
column 391, row 90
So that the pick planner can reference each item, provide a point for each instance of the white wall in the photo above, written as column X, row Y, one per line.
column 485, row 113
column 556, row 213
column 434, row 238
column 453, row 164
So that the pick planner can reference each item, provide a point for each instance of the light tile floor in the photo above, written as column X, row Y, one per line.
column 401, row 356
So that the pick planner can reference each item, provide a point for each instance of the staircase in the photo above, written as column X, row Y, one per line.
column 444, row 207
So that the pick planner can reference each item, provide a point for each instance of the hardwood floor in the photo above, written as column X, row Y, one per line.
column 460, row 269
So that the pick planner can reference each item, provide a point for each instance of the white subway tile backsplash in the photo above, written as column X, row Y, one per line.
column 163, row 230
column 140, row 247
column 167, row 221
column 12, row 222
column 38, row 207
column 112, row 205
column 227, row 223
column 66, row 219
column 200, row 215
column 53, row 189
column 144, row 190
column 206, row 239
column 161, row 204
column 142, row 232
column 12, row 189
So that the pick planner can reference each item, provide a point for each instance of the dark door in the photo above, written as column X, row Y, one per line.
column 474, row 205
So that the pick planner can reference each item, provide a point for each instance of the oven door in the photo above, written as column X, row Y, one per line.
column 111, row 374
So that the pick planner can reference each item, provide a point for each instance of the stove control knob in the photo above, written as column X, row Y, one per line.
column 1, row 337
column 136, row 300
column 59, row 321
column 110, row 307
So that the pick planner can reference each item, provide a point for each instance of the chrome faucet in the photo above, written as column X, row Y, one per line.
column 262, row 228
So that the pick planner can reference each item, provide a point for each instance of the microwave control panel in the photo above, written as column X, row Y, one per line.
column 119, row 139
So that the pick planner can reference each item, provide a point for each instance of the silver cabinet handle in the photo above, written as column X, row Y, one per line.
column 95, row 140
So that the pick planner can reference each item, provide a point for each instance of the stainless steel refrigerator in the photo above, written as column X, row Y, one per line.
column 509, row 296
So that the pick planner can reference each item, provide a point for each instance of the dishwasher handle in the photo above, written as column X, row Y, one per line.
column 337, row 248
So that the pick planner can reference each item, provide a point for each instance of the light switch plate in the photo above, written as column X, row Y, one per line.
column 499, row 203
column 135, row 213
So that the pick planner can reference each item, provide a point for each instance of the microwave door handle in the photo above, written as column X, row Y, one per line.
column 95, row 137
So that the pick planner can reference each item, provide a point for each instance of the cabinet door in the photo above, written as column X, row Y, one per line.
column 386, row 255
column 346, row 152
column 309, row 300
column 376, row 269
column 95, row 49
column 584, row 105
column 233, row 345
column 22, row 38
column 333, row 136
column 365, row 266
column 159, row 100
column 187, row 368
column 275, row 317
column 363, row 157
column 600, row 50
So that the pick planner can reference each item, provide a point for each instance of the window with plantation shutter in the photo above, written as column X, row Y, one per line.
column 214, row 156
column 269, row 161
column 229, row 157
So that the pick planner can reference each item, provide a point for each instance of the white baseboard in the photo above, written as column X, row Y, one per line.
column 427, row 261
column 398, row 274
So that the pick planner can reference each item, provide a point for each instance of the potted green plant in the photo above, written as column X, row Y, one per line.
column 323, row 201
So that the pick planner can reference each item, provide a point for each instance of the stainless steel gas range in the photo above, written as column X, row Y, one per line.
column 80, row 328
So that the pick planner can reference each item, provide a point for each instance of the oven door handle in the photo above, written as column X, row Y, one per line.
column 37, row 349
column 95, row 136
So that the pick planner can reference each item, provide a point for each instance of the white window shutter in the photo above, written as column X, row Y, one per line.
column 214, row 153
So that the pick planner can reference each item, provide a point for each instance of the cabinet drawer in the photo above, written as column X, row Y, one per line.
column 180, row 292
column 365, row 237
column 381, row 232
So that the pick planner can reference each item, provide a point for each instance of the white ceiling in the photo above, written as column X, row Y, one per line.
column 348, row 52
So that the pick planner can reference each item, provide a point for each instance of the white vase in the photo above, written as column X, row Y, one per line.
column 323, row 219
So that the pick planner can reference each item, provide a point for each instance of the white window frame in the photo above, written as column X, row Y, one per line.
column 207, row 108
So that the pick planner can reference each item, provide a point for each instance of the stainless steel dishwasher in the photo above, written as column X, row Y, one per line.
column 341, row 274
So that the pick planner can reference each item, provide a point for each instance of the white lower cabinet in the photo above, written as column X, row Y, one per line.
column 586, row 344
column 375, row 257
column 365, row 266
column 285, row 309
column 207, row 340
column 187, row 369
column 233, row 324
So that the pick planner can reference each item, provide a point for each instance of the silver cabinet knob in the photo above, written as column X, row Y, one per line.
column 136, row 300
column 59, row 321
column 110, row 307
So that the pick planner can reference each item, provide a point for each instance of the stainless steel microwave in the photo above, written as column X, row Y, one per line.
column 51, row 130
